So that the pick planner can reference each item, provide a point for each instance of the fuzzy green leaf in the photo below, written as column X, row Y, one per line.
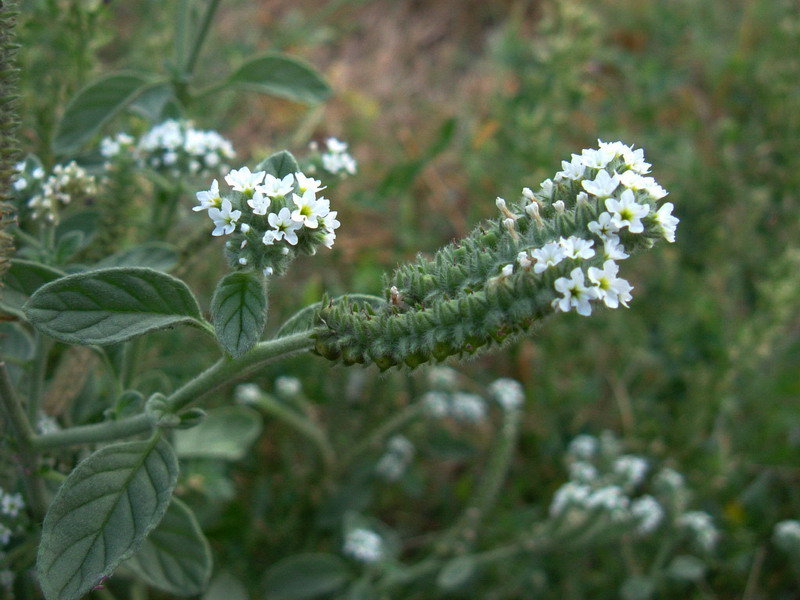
column 281, row 75
column 307, row 318
column 175, row 557
column 225, row 434
column 226, row 587
column 93, row 106
column 153, row 255
column 305, row 576
column 153, row 101
column 111, row 305
column 102, row 514
column 21, row 280
column 279, row 164
column 239, row 311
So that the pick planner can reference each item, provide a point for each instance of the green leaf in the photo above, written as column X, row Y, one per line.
column 226, row 587
column 153, row 255
column 175, row 557
column 239, row 311
column 279, row 164
column 305, row 576
column 111, row 305
column 152, row 102
column 102, row 514
column 93, row 106
column 306, row 318
column 281, row 75
column 68, row 246
column 85, row 221
column 225, row 434
column 21, row 280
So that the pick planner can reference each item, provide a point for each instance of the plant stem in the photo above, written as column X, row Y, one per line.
column 43, row 346
column 220, row 373
column 200, row 37
column 24, row 436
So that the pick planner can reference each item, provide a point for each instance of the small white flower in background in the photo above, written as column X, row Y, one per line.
column 787, row 536
column 626, row 212
column 569, row 495
column 277, row 188
column 467, row 407
column 601, row 186
column 363, row 545
column 242, row 180
column 669, row 480
column 288, row 387
column 436, row 404
column 442, row 378
column 11, row 504
column 46, row 424
column 612, row 290
column 701, row 525
column 631, row 469
column 5, row 535
column 306, row 184
column 398, row 455
column 310, row 209
column 582, row 472
column 259, row 202
column 508, row 393
column 248, row 393
column 604, row 226
column 667, row 222
column 611, row 499
column 285, row 227
column 648, row 513
column 224, row 218
column 208, row 199
column 583, row 447
column 547, row 256
column 575, row 294
column 577, row 248
column 613, row 249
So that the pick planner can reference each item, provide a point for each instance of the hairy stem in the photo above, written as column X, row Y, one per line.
column 222, row 372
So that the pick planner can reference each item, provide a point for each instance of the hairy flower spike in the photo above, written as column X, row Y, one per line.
column 536, row 258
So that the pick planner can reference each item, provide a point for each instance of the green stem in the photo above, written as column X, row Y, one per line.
column 130, row 361
column 25, row 437
column 220, row 373
column 379, row 435
column 43, row 346
column 180, row 33
column 201, row 37
column 302, row 425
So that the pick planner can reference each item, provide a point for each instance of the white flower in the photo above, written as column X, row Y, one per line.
column 568, row 495
column 259, row 202
column 306, row 184
column 626, row 212
column 577, row 248
column 224, row 219
column 648, row 512
column 288, row 387
column 582, row 472
column 571, row 170
column 575, row 294
column 11, row 504
column 436, row 404
column 310, row 209
column 248, row 393
column 631, row 469
column 443, row 378
column 20, row 184
column 611, row 499
column 603, row 185
column 604, row 226
column 285, row 227
column 330, row 222
column 5, row 534
column 583, row 446
column 277, row 188
column 787, row 535
column 611, row 289
column 208, row 199
column 547, row 188
column 613, row 249
column 524, row 260
column 667, row 222
column 559, row 206
column 399, row 453
column 700, row 524
column 508, row 393
column 363, row 545
column 636, row 182
column 547, row 256
column 336, row 146
column 467, row 407
column 242, row 180
column 339, row 163
column 597, row 159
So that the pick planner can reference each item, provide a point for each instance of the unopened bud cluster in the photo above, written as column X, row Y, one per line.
column 269, row 220
column 554, row 250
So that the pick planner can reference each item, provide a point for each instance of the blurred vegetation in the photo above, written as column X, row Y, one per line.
column 447, row 105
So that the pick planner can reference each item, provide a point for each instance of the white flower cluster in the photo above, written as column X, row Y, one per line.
column 66, row 183
column 394, row 462
column 461, row 406
column 11, row 505
column 336, row 160
column 603, row 488
column 364, row 545
column 175, row 147
column 786, row 536
column 288, row 387
column 508, row 393
column 274, row 216
column 613, row 177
